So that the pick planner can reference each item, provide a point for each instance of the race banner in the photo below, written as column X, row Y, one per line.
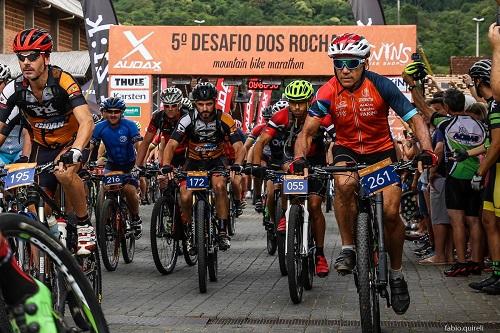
column 368, row 12
column 99, row 16
column 265, row 100
column 247, row 122
column 225, row 96
column 250, row 51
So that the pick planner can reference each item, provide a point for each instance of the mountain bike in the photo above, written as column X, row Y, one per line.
column 114, row 229
column 371, row 272
column 86, row 313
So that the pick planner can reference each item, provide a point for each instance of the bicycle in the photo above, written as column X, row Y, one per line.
column 371, row 271
column 85, row 310
column 153, row 187
column 113, row 228
column 91, row 177
column 167, row 229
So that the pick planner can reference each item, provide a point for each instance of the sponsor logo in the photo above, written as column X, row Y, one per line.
column 50, row 126
column 123, row 139
column 138, row 47
column 42, row 111
column 391, row 54
column 463, row 136
column 206, row 147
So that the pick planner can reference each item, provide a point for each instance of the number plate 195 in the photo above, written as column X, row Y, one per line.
column 197, row 181
column 295, row 185
column 379, row 179
column 19, row 178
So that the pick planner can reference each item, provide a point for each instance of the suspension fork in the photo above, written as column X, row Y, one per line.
column 382, row 261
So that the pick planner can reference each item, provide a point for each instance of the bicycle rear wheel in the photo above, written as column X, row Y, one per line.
column 190, row 258
column 85, row 305
column 280, row 236
column 127, row 237
column 200, row 231
column 163, row 243
column 294, row 260
column 231, row 228
column 308, row 264
column 367, row 292
column 108, row 235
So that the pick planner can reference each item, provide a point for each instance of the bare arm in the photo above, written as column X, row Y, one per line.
column 85, row 126
column 494, row 36
column 492, row 153
column 421, row 131
column 239, row 152
column 417, row 96
column 143, row 148
column 168, row 154
column 262, row 140
column 161, row 150
column 26, row 143
column 329, row 153
column 249, row 157
column 304, row 139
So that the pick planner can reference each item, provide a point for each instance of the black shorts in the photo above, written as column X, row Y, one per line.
column 344, row 154
column 461, row 196
column 205, row 165
column 43, row 155
column 491, row 201
column 317, row 186
column 125, row 168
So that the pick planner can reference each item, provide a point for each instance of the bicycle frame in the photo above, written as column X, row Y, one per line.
column 304, row 248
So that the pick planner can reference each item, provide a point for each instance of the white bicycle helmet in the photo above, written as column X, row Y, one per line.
column 349, row 45
column 4, row 72
column 186, row 103
column 171, row 96
column 280, row 105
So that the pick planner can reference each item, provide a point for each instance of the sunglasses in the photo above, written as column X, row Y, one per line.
column 170, row 106
column 351, row 63
column 113, row 111
column 33, row 56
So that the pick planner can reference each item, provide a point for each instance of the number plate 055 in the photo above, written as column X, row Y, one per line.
column 295, row 185
column 197, row 180
column 19, row 178
column 379, row 179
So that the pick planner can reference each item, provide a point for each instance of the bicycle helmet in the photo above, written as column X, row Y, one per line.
column 171, row 96
column 349, row 45
column 267, row 112
column 417, row 70
column 186, row 103
column 279, row 105
column 299, row 90
column 481, row 70
column 33, row 39
column 204, row 91
column 4, row 72
column 238, row 124
column 96, row 118
column 113, row 103
column 138, row 124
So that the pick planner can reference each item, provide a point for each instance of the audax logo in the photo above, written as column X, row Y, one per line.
column 138, row 46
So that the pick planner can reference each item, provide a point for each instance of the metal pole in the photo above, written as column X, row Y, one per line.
column 477, row 38
column 398, row 12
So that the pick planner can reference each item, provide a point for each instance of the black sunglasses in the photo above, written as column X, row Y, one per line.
column 33, row 56
column 351, row 63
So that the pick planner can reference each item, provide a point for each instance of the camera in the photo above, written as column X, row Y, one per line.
column 416, row 57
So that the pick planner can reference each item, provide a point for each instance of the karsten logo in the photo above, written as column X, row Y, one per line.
column 138, row 46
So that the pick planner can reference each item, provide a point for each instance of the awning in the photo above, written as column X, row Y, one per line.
column 75, row 62
column 70, row 6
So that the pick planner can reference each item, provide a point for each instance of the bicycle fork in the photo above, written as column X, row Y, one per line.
column 304, row 248
column 382, row 253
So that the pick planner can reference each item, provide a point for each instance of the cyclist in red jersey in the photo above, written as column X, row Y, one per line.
column 358, row 101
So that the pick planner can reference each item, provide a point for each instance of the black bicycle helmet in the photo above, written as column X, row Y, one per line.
column 204, row 91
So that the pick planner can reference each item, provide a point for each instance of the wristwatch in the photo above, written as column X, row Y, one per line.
column 410, row 88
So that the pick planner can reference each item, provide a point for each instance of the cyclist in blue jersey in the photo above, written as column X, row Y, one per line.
column 121, row 138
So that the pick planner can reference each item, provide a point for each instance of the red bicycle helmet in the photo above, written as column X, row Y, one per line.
column 349, row 45
column 33, row 39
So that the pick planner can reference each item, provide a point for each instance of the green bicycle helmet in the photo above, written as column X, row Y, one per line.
column 299, row 90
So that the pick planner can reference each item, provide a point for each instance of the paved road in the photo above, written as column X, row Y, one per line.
column 252, row 296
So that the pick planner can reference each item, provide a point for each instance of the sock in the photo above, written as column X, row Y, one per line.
column 319, row 251
column 11, row 275
column 84, row 220
column 395, row 274
column 348, row 247
column 223, row 225
column 495, row 265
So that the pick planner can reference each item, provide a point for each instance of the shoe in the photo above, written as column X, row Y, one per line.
column 492, row 289
column 422, row 248
column 400, row 298
column 86, row 240
column 243, row 204
column 485, row 282
column 281, row 225
column 36, row 315
column 457, row 269
column 322, row 269
column 238, row 210
column 258, row 206
column 345, row 262
column 474, row 268
column 224, row 242
column 137, row 226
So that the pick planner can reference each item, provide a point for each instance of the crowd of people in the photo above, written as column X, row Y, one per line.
column 44, row 117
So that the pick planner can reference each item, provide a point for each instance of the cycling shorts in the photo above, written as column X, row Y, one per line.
column 491, row 195
column 205, row 165
column 344, row 154
column 461, row 196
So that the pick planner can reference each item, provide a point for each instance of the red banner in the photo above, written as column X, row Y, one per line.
column 225, row 96
column 265, row 100
column 248, row 113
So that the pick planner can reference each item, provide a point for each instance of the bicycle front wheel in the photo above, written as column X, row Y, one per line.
column 163, row 243
column 200, row 231
column 84, row 302
column 367, row 291
column 293, row 257
column 108, row 235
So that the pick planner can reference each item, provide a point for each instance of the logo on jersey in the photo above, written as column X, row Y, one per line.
column 123, row 139
column 50, row 125
column 207, row 147
column 463, row 136
column 138, row 47
column 365, row 96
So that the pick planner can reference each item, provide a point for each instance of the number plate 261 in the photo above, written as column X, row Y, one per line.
column 379, row 179
column 295, row 185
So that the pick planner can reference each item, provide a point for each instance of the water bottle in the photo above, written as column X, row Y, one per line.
column 61, row 226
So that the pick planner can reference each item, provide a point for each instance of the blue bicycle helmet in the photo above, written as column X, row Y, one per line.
column 113, row 103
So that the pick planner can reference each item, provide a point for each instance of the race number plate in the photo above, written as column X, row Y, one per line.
column 197, row 180
column 20, row 177
column 294, row 185
column 378, row 176
column 113, row 180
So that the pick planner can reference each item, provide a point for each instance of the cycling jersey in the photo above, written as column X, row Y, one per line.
column 256, row 131
column 282, row 125
column 206, row 139
column 360, row 116
column 165, row 126
column 51, row 122
column 228, row 146
column 119, row 140
column 460, row 132
column 14, row 142
column 492, row 191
